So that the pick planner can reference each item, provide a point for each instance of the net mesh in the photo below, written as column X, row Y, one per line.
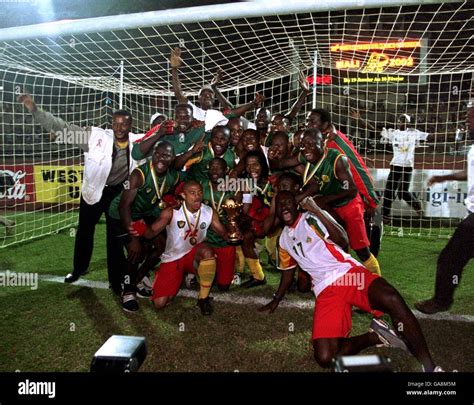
column 371, row 65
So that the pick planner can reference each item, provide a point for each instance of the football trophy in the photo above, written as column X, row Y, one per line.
column 232, row 208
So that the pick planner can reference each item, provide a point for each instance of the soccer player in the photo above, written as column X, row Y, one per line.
column 214, row 196
column 256, row 209
column 206, row 98
column 279, row 148
column 197, row 168
column 108, row 163
column 250, row 143
column 236, row 132
column 460, row 248
column 320, row 118
column 404, row 140
column 262, row 123
column 287, row 181
column 316, row 242
column 143, row 200
column 337, row 192
column 186, row 230
column 183, row 134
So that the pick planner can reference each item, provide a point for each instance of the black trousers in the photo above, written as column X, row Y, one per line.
column 89, row 216
column 452, row 260
column 398, row 182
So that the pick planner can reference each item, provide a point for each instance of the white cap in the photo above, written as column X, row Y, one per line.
column 156, row 115
column 406, row 116
column 206, row 87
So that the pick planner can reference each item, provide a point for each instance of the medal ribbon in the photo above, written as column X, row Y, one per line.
column 264, row 189
column 159, row 190
column 213, row 201
column 306, row 179
column 193, row 228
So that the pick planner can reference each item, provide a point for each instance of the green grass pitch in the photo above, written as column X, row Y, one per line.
column 59, row 327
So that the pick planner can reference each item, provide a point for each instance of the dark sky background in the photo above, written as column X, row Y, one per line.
column 25, row 12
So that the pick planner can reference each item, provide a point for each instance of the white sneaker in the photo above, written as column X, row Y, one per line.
column 143, row 291
column 191, row 281
column 147, row 283
column 387, row 336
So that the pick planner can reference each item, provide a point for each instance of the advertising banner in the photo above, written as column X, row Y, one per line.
column 57, row 184
column 441, row 200
column 16, row 185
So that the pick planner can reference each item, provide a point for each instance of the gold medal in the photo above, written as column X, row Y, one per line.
column 159, row 190
column 306, row 177
column 192, row 228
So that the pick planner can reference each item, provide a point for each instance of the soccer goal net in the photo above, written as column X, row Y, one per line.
column 366, row 62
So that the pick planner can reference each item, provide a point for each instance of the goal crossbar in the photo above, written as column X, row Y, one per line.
column 196, row 14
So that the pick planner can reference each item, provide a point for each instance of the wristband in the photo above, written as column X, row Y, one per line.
column 139, row 227
column 247, row 198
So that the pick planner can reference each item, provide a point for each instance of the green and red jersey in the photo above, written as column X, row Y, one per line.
column 362, row 178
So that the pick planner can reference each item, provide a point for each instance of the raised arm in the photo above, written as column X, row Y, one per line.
column 458, row 176
column 242, row 109
column 309, row 190
column 216, row 81
column 304, row 91
column 271, row 220
column 387, row 135
column 54, row 124
column 336, row 232
column 182, row 159
column 176, row 62
column 143, row 149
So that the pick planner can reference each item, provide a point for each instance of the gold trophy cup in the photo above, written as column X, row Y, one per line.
column 232, row 208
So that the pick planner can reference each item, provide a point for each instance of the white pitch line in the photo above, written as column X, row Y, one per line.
column 251, row 299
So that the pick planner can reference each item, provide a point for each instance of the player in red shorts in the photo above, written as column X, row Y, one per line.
column 335, row 190
column 316, row 242
column 215, row 196
column 186, row 230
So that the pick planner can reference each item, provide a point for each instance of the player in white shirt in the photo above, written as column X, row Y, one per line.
column 317, row 243
column 460, row 248
column 404, row 141
column 186, row 230
column 206, row 97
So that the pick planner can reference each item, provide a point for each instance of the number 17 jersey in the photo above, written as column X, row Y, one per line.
column 307, row 244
